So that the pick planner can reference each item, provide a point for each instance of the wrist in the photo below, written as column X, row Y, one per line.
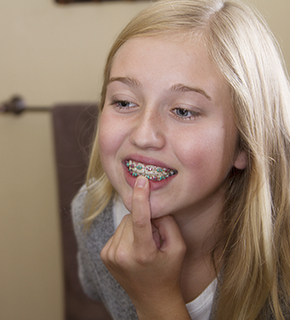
column 164, row 309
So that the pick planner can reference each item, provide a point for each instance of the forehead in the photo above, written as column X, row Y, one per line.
column 163, row 49
column 168, row 60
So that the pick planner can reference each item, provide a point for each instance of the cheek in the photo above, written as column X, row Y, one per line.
column 103, row 136
column 107, row 142
column 108, row 135
column 207, row 153
column 194, row 150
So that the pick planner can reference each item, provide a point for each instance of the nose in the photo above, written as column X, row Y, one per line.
column 149, row 130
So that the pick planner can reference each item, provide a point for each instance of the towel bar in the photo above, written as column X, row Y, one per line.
column 17, row 106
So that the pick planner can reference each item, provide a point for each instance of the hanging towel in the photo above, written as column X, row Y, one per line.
column 73, row 127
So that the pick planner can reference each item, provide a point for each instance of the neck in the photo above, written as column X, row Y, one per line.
column 201, row 234
column 201, row 229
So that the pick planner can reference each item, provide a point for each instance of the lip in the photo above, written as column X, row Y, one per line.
column 154, row 185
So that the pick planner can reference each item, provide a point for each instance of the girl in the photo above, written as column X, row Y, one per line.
column 187, row 201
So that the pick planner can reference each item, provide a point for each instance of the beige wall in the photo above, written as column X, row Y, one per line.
column 49, row 54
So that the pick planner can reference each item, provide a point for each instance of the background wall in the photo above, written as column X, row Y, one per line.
column 49, row 53
column 52, row 53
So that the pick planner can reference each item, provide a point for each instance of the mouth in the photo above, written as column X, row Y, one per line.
column 149, row 171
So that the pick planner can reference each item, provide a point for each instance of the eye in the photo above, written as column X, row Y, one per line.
column 184, row 114
column 123, row 104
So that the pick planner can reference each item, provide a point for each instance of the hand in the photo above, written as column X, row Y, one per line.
column 146, row 258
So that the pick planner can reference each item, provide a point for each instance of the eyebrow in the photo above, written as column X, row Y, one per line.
column 177, row 87
column 183, row 88
column 131, row 82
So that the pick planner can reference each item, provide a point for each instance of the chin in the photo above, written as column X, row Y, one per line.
column 127, row 200
column 158, row 213
column 157, row 210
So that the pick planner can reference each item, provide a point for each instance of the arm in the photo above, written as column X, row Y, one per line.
column 146, row 259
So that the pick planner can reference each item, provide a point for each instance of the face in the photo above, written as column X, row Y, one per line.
column 168, row 106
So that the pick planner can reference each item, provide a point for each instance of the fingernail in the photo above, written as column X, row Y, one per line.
column 141, row 181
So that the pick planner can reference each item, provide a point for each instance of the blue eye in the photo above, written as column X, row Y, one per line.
column 182, row 112
column 185, row 114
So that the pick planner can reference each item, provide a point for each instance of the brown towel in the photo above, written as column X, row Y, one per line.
column 73, row 127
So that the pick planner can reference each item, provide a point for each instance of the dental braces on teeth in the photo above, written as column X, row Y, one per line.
column 149, row 171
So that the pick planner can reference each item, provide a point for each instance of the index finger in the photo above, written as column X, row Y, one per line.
column 141, row 215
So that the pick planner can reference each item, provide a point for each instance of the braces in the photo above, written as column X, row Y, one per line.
column 149, row 171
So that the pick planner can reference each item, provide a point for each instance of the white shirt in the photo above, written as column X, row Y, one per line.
column 199, row 308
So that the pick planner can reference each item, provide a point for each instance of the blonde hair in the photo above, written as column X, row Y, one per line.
column 256, row 277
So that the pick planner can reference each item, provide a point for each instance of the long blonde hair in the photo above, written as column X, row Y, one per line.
column 256, row 274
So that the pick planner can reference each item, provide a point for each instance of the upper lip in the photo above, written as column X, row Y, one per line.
column 147, row 161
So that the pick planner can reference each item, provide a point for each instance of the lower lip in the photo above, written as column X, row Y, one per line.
column 154, row 185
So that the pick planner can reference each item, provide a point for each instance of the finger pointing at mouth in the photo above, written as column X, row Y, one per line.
column 141, row 215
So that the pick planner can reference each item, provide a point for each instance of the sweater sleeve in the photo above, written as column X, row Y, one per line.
column 96, row 280
column 85, row 265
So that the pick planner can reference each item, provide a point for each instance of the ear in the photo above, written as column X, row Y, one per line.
column 241, row 161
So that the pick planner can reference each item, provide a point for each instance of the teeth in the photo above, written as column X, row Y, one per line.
column 149, row 171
